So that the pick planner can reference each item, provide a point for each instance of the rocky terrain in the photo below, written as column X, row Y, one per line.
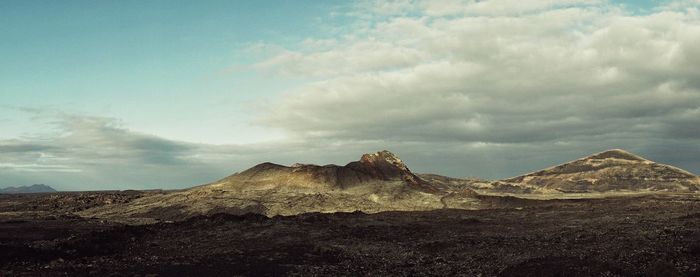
column 650, row 235
column 64, row 203
column 36, row 188
column 610, row 171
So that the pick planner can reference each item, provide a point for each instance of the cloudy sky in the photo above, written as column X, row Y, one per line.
column 170, row 94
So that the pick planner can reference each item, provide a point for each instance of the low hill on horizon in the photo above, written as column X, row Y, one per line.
column 36, row 188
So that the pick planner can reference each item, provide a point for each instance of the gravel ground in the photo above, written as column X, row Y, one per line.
column 651, row 235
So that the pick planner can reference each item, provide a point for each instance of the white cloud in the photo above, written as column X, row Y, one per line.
column 507, row 71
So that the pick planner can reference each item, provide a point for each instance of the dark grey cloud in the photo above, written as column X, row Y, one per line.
column 487, row 79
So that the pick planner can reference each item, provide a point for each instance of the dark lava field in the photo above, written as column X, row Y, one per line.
column 652, row 235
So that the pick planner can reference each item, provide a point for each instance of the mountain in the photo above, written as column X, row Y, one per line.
column 382, row 166
column 612, row 170
column 377, row 182
column 37, row 188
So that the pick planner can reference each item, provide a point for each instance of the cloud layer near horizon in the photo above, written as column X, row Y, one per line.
column 481, row 88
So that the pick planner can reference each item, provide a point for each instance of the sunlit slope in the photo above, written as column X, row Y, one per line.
column 613, row 170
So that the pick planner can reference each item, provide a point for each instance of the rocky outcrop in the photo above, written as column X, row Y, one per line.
column 613, row 170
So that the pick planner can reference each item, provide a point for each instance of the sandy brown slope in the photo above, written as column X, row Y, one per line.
column 609, row 171
column 377, row 182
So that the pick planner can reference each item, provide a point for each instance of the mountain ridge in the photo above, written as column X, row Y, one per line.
column 36, row 188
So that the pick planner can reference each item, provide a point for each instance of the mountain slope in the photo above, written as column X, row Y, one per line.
column 377, row 182
column 36, row 188
column 612, row 170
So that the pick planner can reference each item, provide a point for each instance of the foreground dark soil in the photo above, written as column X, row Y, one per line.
column 656, row 235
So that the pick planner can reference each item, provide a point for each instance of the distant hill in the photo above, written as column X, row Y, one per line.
column 37, row 188
column 612, row 170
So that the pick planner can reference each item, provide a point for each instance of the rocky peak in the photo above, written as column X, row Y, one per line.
column 384, row 165
column 383, row 157
column 371, row 168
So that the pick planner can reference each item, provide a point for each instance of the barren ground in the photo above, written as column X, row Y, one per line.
column 621, row 236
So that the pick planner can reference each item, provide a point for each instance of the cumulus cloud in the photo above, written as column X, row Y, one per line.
column 500, row 72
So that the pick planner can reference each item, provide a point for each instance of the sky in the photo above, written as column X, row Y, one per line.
column 170, row 94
